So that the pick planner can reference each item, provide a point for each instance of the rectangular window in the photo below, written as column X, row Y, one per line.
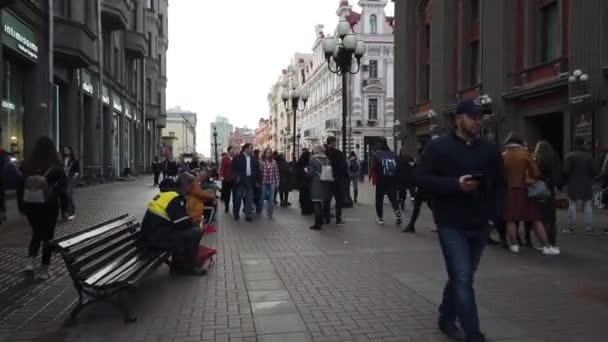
column 149, row 44
column 373, row 69
column 475, row 10
column 161, row 18
column 549, row 32
column 149, row 91
column 149, row 5
column 427, row 36
column 160, row 63
column 107, row 50
column 426, row 83
column 61, row 8
column 372, row 107
column 159, row 99
column 475, row 64
column 116, row 63
column 133, row 21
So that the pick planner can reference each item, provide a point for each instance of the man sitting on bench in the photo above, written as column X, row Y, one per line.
column 167, row 225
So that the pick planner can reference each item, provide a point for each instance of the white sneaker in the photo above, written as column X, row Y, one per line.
column 379, row 220
column 556, row 250
column 548, row 250
column 44, row 273
column 30, row 264
column 71, row 217
column 514, row 248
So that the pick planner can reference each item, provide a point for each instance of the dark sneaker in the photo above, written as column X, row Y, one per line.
column 452, row 331
column 237, row 217
column 476, row 338
column 315, row 227
column 399, row 220
column 570, row 231
column 339, row 222
column 409, row 229
column 248, row 219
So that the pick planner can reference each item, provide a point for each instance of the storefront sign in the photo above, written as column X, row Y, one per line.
column 117, row 103
column 8, row 105
column 86, row 83
column 19, row 37
column 106, row 95
column 583, row 127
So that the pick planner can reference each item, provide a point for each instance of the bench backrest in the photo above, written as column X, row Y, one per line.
column 92, row 249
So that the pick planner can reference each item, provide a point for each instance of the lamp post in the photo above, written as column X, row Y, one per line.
column 298, row 98
column 215, row 144
column 344, row 51
column 581, row 108
column 298, row 136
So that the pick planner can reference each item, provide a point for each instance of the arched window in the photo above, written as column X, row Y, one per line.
column 373, row 23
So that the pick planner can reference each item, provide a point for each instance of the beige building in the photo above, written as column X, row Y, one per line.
column 179, row 135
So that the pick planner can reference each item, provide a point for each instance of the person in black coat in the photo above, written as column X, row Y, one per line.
column 42, row 216
column 71, row 167
column 339, row 167
column 306, row 205
column 405, row 171
column 285, row 181
column 246, row 176
column 157, row 168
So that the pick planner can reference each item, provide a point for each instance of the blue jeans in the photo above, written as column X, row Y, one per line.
column 268, row 196
column 243, row 190
column 462, row 250
column 588, row 210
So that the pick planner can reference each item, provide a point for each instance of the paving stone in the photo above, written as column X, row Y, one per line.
column 263, row 285
column 273, row 308
column 289, row 337
column 279, row 324
column 268, row 296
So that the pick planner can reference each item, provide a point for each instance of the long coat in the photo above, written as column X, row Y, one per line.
column 319, row 190
column 580, row 172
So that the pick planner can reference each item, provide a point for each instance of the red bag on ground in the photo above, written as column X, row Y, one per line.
column 209, row 229
column 205, row 254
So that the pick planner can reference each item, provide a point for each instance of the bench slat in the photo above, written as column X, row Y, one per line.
column 111, row 267
column 56, row 242
column 157, row 262
column 94, row 263
column 103, row 242
column 126, row 273
column 93, row 233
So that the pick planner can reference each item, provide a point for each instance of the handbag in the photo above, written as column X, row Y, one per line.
column 539, row 191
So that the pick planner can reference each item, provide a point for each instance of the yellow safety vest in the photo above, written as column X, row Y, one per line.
column 160, row 202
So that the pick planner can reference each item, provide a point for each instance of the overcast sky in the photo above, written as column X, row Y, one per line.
column 225, row 55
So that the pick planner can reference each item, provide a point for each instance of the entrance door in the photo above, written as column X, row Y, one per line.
column 549, row 127
column 116, row 141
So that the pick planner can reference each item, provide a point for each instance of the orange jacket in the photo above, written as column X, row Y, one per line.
column 195, row 201
column 520, row 166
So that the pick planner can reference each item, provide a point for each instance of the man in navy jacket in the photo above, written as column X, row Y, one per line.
column 464, row 176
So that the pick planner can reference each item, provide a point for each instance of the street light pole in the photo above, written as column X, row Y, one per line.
column 215, row 144
column 343, row 50
column 295, row 95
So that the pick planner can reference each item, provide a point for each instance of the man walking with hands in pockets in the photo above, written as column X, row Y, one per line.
column 464, row 176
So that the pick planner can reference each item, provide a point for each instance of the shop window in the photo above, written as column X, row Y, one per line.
column 373, row 23
column 373, row 69
column 549, row 32
column 372, row 109
column 475, row 64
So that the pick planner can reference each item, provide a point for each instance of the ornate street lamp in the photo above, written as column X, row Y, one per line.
column 298, row 99
column 343, row 51
column 298, row 137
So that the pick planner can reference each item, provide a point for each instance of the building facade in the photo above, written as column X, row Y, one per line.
column 179, row 135
column 523, row 54
column 224, row 128
column 241, row 136
column 262, row 134
column 84, row 85
column 370, row 92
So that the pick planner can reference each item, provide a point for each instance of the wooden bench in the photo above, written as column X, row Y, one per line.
column 104, row 262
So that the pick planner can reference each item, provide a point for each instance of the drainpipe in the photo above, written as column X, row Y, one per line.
column 100, row 88
column 51, row 101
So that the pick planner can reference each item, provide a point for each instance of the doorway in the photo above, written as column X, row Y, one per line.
column 549, row 127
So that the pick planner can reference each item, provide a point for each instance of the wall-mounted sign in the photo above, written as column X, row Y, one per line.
column 86, row 83
column 583, row 128
column 106, row 95
column 19, row 37
column 117, row 103
column 8, row 105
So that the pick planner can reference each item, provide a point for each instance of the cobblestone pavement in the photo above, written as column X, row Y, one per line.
column 279, row 281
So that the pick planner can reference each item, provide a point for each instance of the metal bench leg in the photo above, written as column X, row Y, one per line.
column 82, row 303
column 123, row 305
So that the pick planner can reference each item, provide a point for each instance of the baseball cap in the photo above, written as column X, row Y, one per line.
column 469, row 106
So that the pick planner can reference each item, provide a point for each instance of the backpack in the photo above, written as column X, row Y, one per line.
column 388, row 164
column 37, row 189
column 327, row 174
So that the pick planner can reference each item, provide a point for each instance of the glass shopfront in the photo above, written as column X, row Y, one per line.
column 11, row 116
